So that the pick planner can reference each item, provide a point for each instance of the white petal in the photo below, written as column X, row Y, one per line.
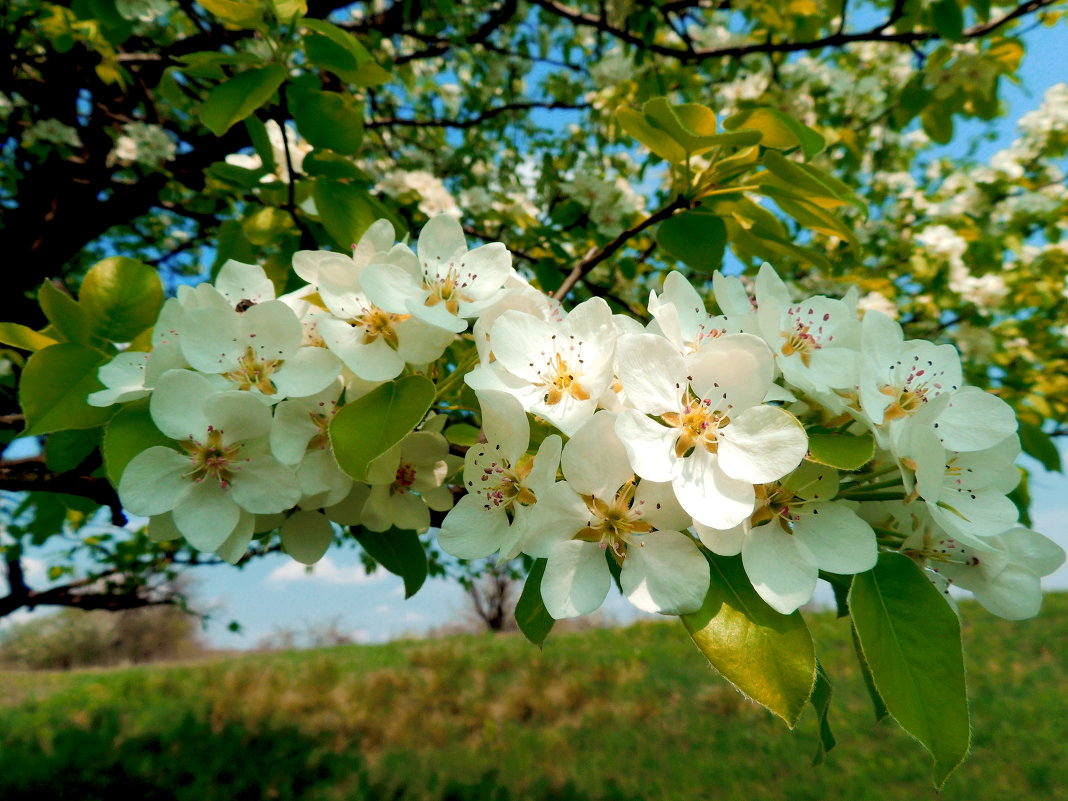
column 272, row 330
column 576, row 579
column 239, row 282
column 419, row 342
column 152, row 483
column 211, row 341
column 781, row 569
column 725, row 542
column 650, row 446
column 390, row 288
column 762, row 444
column 161, row 528
column 291, row 431
column 738, row 367
column 306, row 536
column 349, row 511
column 237, row 543
column 658, row 505
column 237, row 416
column 441, row 239
column 265, row 486
column 504, row 423
column 839, row 540
column 1016, row 594
column 652, row 372
column 558, row 515
column 470, row 531
column 546, row 463
column 974, row 420
column 308, row 371
column 207, row 516
column 177, row 405
column 409, row 512
column 594, row 460
column 665, row 572
column 709, row 495
column 1032, row 550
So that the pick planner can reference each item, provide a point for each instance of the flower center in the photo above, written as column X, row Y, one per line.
column 448, row 289
column 698, row 424
column 500, row 486
column 211, row 458
column 404, row 479
column 612, row 524
column 906, row 401
column 378, row 323
column 254, row 372
column 801, row 342
column 321, row 417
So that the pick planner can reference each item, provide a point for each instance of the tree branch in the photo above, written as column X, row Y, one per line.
column 876, row 34
column 592, row 260
column 33, row 476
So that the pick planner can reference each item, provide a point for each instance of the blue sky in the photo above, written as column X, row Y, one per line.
column 275, row 592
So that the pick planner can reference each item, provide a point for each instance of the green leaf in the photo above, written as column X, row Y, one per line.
column 233, row 100
column 54, row 387
column 530, row 613
column 400, row 552
column 697, row 238
column 821, row 702
column 23, row 337
column 332, row 56
column 371, row 425
column 65, row 450
column 693, row 126
column 780, row 131
column 127, row 434
column 285, row 10
column 238, row 13
column 347, row 211
column 1037, row 444
column 948, row 19
column 462, row 434
column 656, row 139
column 766, row 655
column 329, row 120
column 338, row 36
column 64, row 312
column 878, row 707
column 331, row 165
column 261, row 142
column 937, row 124
column 121, row 297
column 910, row 637
column 842, row 451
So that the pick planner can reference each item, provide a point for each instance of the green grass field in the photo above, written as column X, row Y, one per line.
column 631, row 713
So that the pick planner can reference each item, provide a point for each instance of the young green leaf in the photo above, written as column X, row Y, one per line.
column 371, row 425
column 65, row 314
column 54, row 387
column 695, row 237
column 65, row 450
column 329, row 119
column 23, row 337
column 842, row 451
column 233, row 100
column 121, row 297
column 534, row 620
column 910, row 637
column 768, row 656
column 780, row 131
column 821, row 702
column 400, row 552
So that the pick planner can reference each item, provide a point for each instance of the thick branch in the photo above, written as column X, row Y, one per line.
column 78, row 595
column 32, row 475
column 592, row 260
column 838, row 39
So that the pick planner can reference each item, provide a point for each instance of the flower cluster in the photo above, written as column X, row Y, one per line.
column 803, row 434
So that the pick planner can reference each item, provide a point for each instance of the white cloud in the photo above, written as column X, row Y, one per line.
column 325, row 571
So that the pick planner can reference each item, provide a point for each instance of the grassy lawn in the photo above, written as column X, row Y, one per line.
column 606, row 714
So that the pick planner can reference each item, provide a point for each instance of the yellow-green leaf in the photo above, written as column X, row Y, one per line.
column 121, row 297
column 23, row 337
column 233, row 100
column 768, row 656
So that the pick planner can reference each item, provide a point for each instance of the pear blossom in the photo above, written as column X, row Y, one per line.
column 257, row 349
column 1005, row 576
column 714, row 439
column 503, row 483
column 222, row 472
column 556, row 370
column 447, row 283
column 407, row 481
column 603, row 510
column 967, row 493
column 679, row 314
column 796, row 531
